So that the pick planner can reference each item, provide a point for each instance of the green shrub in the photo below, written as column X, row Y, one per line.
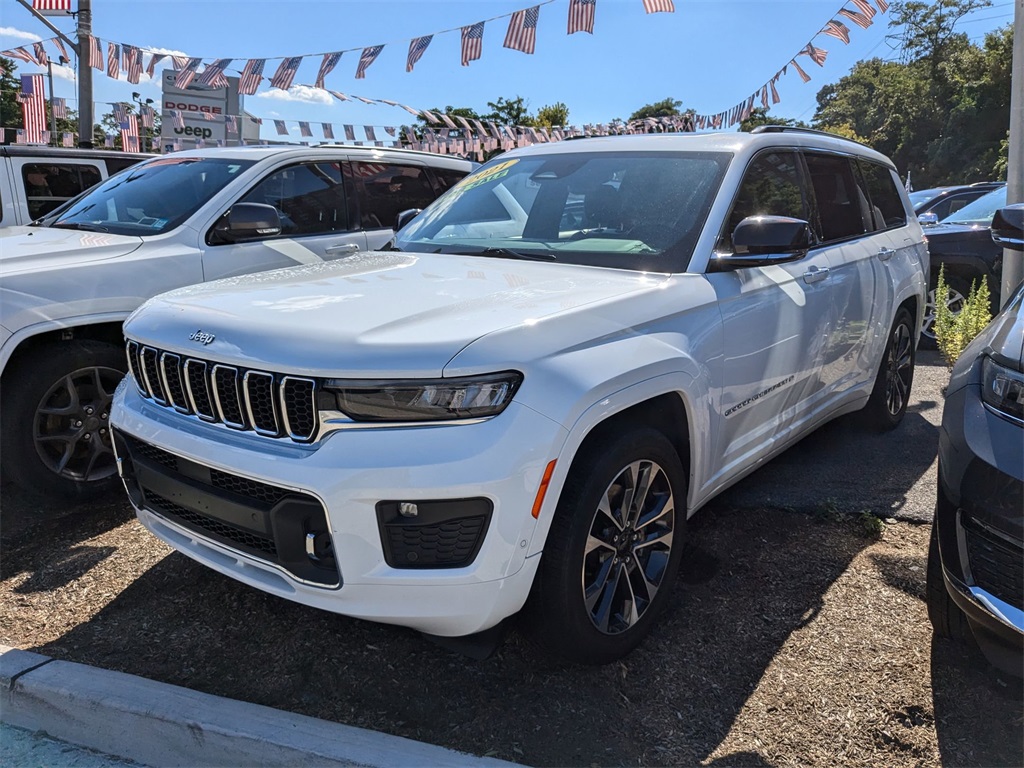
column 953, row 332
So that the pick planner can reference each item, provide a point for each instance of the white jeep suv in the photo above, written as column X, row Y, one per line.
column 69, row 281
column 532, row 388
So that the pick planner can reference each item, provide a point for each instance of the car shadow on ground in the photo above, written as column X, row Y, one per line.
column 31, row 525
column 749, row 581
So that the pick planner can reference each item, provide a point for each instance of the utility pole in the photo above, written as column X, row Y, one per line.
column 53, row 117
column 1013, row 261
column 85, row 108
column 81, row 49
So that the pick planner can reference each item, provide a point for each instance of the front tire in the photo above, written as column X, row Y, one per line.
column 55, row 434
column 891, row 394
column 614, row 548
column 946, row 618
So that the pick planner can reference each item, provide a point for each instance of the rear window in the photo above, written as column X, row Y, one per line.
column 886, row 205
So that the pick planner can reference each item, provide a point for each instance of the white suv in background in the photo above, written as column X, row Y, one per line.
column 533, row 387
column 68, row 283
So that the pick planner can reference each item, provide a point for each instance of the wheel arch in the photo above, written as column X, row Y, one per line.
column 21, row 346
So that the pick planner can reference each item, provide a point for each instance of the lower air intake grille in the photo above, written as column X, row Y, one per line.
column 997, row 567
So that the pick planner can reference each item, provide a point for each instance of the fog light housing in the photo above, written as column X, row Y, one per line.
column 443, row 533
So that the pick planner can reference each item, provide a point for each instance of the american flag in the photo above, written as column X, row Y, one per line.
column 108, row 141
column 659, row 6
column 447, row 120
column 367, row 58
column 338, row 95
column 304, row 129
column 231, row 122
column 326, row 66
column 18, row 53
column 416, row 49
column 859, row 19
column 281, row 128
column 113, row 60
column 96, row 53
column 252, row 76
column 837, row 30
column 52, row 7
column 39, row 54
column 522, row 30
column 764, row 97
column 581, row 16
column 153, row 61
column 472, row 42
column 180, row 62
column 882, row 5
column 187, row 73
column 130, row 134
column 465, row 124
column 59, row 107
column 370, row 134
column 213, row 75
column 864, row 7
column 33, row 108
column 177, row 119
column 818, row 55
column 146, row 114
column 131, row 57
column 286, row 73
column 389, row 130
column 328, row 130
column 122, row 111
column 803, row 75
column 67, row 140
column 775, row 93
column 350, row 132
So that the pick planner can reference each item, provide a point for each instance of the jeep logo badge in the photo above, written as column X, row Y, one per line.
column 202, row 337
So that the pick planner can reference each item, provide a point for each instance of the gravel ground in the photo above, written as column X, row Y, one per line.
column 798, row 636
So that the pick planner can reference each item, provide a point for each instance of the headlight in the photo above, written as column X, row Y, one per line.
column 470, row 397
column 1002, row 389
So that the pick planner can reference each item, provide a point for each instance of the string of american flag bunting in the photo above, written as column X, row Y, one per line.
column 458, row 135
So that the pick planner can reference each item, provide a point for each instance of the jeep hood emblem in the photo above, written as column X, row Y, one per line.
column 202, row 337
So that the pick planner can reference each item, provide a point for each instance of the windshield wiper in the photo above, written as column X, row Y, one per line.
column 81, row 225
column 508, row 253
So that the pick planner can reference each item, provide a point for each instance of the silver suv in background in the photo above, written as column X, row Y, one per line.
column 67, row 283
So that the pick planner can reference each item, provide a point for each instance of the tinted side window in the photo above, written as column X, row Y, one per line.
column 47, row 185
column 842, row 206
column 447, row 178
column 886, row 204
column 118, row 164
column 771, row 187
column 309, row 197
column 387, row 190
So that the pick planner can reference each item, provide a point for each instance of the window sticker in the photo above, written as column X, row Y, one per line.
column 486, row 176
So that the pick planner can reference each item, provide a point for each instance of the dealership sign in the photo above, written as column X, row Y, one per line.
column 203, row 109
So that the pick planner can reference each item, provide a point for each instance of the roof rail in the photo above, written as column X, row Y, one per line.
column 798, row 129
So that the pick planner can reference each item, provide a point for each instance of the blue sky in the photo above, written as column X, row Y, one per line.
column 710, row 54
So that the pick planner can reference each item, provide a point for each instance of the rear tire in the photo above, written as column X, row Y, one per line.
column 612, row 555
column 54, row 421
column 956, row 295
column 888, row 402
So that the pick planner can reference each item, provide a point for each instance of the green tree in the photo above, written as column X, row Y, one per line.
column 10, row 109
column 665, row 108
column 510, row 111
column 552, row 115
column 760, row 116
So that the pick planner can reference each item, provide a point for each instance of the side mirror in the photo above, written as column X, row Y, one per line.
column 246, row 221
column 405, row 217
column 1008, row 227
column 762, row 240
column 928, row 219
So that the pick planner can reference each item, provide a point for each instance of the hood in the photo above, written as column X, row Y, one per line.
column 374, row 314
column 26, row 249
column 945, row 232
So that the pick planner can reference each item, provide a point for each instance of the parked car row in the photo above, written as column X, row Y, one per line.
column 514, row 398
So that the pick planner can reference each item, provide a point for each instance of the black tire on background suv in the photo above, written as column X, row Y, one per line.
column 956, row 294
column 54, row 420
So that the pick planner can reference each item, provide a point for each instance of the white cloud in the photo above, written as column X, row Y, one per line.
column 303, row 93
column 165, row 51
column 64, row 73
column 19, row 34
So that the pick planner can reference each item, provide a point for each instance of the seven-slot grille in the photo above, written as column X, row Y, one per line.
column 270, row 404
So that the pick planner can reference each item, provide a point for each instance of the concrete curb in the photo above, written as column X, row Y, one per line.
column 160, row 724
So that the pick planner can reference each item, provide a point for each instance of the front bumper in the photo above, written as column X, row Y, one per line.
column 979, row 519
column 348, row 475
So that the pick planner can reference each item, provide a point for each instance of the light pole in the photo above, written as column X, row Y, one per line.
column 138, row 100
column 1013, row 262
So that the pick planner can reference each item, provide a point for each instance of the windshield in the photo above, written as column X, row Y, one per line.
column 925, row 195
column 980, row 212
column 627, row 210
column 150, row 198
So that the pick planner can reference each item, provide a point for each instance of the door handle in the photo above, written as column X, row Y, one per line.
column 343, row 248
column 815, row 275
column 886, row 253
